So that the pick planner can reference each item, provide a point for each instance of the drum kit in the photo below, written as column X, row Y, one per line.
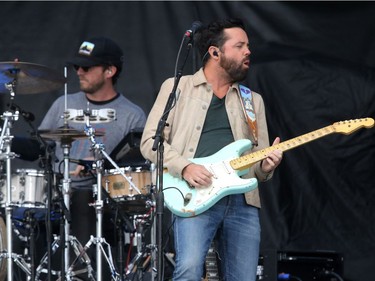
column 28, row 196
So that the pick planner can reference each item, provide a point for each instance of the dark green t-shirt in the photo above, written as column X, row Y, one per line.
column 216, row 132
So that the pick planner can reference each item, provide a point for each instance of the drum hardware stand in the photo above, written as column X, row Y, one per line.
column 131, row 229
column 66, row 136
column 30, row 224
column 99, row 240
column 66, row 240
column 61, row 241
column 119, row 222
column 37, row 80
column 5, row 145
column 27, row 268
column 120, row 249
column 98, row 165
column 142, row 249
column 65, row 235
column 137, row 263
column 46, row 163
column 29, row 239
column 80, row 253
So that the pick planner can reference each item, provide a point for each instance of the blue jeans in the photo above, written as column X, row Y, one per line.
column 238, row 237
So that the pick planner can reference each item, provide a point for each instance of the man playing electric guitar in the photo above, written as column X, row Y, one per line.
column 212, row 111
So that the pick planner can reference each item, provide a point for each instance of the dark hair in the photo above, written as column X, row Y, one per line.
column 213, row 35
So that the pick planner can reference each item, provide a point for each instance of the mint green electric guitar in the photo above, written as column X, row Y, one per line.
column 227, row 167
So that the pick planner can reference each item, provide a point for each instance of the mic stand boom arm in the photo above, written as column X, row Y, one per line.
column 159, row 146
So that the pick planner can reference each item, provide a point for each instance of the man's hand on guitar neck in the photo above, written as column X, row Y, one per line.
column 273, row 159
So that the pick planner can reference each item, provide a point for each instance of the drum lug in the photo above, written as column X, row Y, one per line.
column 106, row 185
column 22, row 181
column 22, row 196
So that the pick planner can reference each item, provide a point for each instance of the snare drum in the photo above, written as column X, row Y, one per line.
column 120, row 189
column 28, row 189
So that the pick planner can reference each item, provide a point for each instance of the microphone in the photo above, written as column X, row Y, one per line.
column 196, row 25
column 27, row 115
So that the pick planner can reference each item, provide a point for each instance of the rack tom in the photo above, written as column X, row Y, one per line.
column 28, row 189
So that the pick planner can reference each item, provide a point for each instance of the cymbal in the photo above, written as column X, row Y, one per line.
column 29, row 78
column 65, row 134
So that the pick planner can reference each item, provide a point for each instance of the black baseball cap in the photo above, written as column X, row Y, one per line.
column 98, row 51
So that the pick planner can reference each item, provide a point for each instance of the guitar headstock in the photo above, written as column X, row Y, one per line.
column 349, row 126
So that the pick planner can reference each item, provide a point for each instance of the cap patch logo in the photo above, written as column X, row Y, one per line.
column 86, row 48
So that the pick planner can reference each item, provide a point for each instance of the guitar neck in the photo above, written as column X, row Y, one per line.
column 248, row 160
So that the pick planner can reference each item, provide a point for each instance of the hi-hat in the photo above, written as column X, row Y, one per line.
column 65, row 134
column 29, row 78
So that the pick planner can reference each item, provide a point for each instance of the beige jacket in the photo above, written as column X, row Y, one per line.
column 186, row 121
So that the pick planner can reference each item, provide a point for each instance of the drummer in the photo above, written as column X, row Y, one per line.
column 98, row 64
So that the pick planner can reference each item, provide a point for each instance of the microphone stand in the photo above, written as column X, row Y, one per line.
column 47, row 165
column 159, row 147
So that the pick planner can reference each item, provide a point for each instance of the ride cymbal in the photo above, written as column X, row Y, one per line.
column 29, row 78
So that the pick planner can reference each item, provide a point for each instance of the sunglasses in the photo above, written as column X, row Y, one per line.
column 84, row 68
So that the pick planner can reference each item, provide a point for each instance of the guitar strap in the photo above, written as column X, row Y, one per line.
column 248, row 107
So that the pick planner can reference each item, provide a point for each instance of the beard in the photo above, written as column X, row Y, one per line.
column 91, row 88
column 235, row 70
